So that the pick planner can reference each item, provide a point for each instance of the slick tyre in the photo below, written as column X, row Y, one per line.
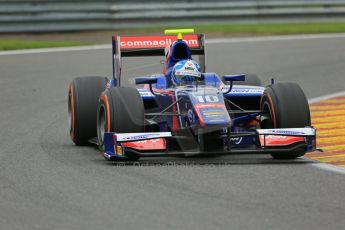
column 83, row 96
column 251, row 79
column 121, row 110
column 286, row 106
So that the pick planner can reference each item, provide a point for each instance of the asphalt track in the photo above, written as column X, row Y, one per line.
column 48, row 183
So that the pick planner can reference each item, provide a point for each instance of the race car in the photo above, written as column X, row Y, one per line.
column 185, row 110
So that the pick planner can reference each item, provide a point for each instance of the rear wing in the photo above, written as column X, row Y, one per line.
column 139, row 46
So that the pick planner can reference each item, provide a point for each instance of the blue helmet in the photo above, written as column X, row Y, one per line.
column 185, row 71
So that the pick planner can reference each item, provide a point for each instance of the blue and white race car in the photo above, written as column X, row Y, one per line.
column 186, row 110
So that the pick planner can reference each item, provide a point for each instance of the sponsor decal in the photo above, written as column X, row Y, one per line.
column 187, row 72
column 146, row 141
column 140, row 136
column 243, row 91
column 218, row 113
column 275, row 137
column 287, row 132
column 145, row 94
column 191, row 116
column 119, row 150
column 247, row 90
column 209, row 113
column 216, row 119
column 236, row 140
column 213, row 113
column 144, row 42
column 189, row 66
column 207, row 98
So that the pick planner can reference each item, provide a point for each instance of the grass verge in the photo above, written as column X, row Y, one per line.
column 213, row 30
column 300, row 28
column 10, row 44
column 259, row 29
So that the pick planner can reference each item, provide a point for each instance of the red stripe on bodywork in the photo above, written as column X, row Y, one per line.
column 274, row 140
column 175, row 124
column 152, row 144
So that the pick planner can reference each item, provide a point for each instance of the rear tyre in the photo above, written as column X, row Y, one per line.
column 121, row 110
column 286, row 106
column 83, row 96
column 251, row 79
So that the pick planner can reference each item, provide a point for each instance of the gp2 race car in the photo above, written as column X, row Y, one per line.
column 212, row 116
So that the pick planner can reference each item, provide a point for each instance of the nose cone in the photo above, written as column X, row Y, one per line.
column 209, row 106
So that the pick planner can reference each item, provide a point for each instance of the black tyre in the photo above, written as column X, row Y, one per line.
column 251, row 79
column 120, row 109
column 83, row 96
column 286, row 106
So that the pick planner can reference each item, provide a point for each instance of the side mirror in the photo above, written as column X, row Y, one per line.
column 231, row 79
column 237, row 77
column 146, row 80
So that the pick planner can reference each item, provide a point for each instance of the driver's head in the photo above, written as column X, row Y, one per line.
column 185, row 71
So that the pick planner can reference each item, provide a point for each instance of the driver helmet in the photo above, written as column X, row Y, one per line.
column 185, row 71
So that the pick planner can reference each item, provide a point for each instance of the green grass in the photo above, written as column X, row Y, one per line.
column 212, row 29
column 261, row 29
column 10, row 44
column 305, row 28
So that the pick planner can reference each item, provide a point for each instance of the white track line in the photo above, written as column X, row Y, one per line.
column 325, row 97
column 208, row 41
column 329, row 167
column 274, row 38
column 325, row 166
column 54, row 50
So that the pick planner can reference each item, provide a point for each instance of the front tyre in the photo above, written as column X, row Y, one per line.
column 120, row 110
column 286, row 106
column 83, row 96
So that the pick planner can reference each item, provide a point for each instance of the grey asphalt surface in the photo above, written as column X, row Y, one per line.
column 48, row 183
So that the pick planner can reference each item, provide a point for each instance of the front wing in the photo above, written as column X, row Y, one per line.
column 120, row 145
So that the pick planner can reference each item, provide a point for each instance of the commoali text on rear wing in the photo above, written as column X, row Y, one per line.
column 136, row 46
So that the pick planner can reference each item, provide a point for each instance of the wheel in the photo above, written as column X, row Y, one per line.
column 251, row 79
column 121, row 110
column 83, row 96
column 286, row 106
